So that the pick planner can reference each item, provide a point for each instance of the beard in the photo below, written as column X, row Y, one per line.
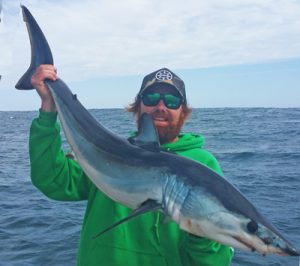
column 167, row 133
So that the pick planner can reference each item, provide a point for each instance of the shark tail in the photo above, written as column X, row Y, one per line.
column 40, row 50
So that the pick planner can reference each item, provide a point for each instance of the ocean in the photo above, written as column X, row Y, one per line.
column 258, row 149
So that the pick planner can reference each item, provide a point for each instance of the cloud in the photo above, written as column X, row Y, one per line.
column 111, row 37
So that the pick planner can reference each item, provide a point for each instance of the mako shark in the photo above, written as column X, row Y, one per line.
column 136, row 172
column 0, row 9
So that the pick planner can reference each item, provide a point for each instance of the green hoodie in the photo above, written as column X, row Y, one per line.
column 146, row 240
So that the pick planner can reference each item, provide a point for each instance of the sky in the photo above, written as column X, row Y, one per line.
column 230, row 53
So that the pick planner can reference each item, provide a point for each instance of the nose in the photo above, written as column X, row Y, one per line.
column 161, row 105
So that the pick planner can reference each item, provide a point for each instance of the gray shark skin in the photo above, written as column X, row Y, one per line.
column 0, row 9
column 138, row 174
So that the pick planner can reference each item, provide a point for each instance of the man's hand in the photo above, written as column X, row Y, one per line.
column 38, row 81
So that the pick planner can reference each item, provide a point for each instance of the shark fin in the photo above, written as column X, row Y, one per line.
column 147, row 206
column 147, row 136
column 40, row 50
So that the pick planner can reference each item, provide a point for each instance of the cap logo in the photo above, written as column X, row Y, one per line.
column 163, row 75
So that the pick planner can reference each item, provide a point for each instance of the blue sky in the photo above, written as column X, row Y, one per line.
column 230, row 53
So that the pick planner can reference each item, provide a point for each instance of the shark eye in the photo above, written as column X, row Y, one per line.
column 252, row 227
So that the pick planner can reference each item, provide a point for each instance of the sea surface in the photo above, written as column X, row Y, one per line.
column 258, row 149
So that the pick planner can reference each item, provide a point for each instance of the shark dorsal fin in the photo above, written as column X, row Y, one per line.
column 147, row 136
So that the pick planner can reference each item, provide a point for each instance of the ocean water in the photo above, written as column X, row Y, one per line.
column 258, row 149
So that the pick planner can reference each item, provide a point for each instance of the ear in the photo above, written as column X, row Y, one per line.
column 185, row 113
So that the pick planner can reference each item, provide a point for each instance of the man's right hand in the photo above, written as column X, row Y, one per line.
column 38, row 81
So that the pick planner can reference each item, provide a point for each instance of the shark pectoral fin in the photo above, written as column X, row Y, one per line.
column 147, row 136
column 147, row 206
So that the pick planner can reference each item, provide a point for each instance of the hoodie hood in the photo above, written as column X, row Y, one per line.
column 187, row 141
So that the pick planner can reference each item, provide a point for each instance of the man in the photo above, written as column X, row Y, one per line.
column 148, row 239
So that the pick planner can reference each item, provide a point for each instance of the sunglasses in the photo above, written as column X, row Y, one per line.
column 171, row 101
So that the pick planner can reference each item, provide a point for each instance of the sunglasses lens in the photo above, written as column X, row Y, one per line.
column 172, row 101
column 151, row 99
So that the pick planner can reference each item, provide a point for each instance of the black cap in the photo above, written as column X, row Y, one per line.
column 163, row 75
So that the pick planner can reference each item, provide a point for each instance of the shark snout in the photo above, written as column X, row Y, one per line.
column 264, row 240
column 239, row 231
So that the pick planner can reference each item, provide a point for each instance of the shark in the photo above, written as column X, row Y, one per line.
column 138, row 173
column 0, row 9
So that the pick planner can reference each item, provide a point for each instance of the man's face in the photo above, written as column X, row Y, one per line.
column 167, row 121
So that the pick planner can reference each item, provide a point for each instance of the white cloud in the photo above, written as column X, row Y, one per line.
column 114, row 37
